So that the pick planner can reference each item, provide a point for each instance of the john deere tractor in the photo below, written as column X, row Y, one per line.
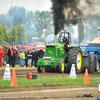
column 60, row 56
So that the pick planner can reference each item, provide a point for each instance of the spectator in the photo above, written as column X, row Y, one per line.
column 37, row 57
column 14, row 56
column 10, row 55
column 1, row 55
column 33, row 57
column 26, row 58
column 6, row 55
column 37, row 50
column 41, row 53
column 22, row 57
column 3, row 59
column 28, row 50
column 29, row 57
column 8, row 47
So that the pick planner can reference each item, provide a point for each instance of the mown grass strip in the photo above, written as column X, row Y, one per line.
column 47, row 82
column 18, row 67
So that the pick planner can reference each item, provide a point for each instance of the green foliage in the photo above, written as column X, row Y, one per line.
column 48, row 32
column 14, row 34
column 22, row 34
column 39, row 33
column 29, row 22
column 18, row 15
column 2, row 42
column 5, row 31
column 43, row 20
column 25, row 22
column 2, row 35
column 17, row 33
column 91, row 22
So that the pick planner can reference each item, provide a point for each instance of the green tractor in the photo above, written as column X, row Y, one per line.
column 60, row 56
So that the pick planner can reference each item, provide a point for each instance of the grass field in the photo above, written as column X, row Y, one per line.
column 18, row 67
column 48, row 82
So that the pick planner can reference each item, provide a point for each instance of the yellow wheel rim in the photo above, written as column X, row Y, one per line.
column 79, row 61
column 41, row 68
column 62, row 67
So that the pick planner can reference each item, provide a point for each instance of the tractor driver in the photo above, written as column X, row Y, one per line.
column 66, row 42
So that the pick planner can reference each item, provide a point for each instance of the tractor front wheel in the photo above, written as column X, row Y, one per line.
column 61, row 66
column 40, row 69
column 49, row 69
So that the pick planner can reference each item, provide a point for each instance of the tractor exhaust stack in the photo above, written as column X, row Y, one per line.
column 55, row 35
column 55, row 38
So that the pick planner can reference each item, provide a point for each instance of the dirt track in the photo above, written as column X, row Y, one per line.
column 52, row 93
column 22, row 73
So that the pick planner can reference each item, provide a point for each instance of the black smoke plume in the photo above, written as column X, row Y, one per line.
column 67, row 12
column 58, row 15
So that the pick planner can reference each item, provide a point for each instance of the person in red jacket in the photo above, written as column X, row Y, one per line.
column 1, row 55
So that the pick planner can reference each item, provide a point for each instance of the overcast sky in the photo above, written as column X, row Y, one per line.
column 31, row 5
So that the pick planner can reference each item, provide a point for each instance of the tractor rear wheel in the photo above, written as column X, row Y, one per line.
column 40, row 69
column 75, row 57
column 91, row 70
column 61, row 66
column 97, row 66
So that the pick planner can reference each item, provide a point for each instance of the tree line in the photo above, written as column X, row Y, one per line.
column 24, row 23
column 17, row 34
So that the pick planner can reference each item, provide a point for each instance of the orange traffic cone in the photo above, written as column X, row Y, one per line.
column 86, row 77
column 13, row 81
